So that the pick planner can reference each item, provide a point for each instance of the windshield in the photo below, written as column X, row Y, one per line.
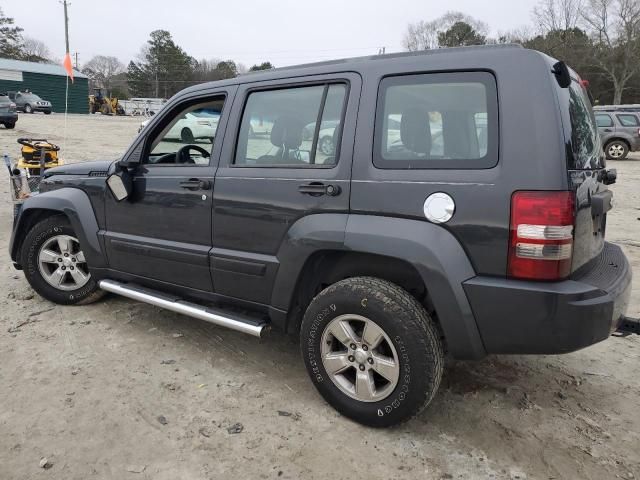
column 4, row 99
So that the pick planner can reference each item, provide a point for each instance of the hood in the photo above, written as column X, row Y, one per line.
column 82, row 168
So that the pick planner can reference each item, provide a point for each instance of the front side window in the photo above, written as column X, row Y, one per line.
column 187, row 137
column 628, row 120
column 603, row 120
column 447, row 120
column 292, row 127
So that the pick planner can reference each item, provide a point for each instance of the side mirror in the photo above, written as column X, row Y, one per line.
column 120, row 184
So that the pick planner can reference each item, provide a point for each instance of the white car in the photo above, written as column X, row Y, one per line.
column 192, row 126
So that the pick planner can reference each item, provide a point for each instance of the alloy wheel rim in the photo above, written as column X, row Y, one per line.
column 62, row 264
column 360, row 358
column 616, row 151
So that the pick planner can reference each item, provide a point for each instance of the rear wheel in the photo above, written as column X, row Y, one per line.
column 617, row 150
column 55, row 265
column 372, row 351
column 186, row 136
column 28, row 109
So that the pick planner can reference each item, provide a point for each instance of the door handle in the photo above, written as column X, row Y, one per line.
column 195, row 184
column 608, row 130
column 316, row 189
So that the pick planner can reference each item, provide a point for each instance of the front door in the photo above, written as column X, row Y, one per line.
column 288, row 157
column 163, row 232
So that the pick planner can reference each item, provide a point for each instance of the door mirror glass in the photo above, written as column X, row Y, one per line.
column 120, row 185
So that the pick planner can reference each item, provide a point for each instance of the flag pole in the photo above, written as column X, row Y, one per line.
column 69, row 68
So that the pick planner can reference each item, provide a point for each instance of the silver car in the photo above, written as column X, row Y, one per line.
column 619, row 131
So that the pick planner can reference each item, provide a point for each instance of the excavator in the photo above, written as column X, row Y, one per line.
column 102, row 102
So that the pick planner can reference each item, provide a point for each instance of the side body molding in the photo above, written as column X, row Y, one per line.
column 440, row 261
column 75, row 204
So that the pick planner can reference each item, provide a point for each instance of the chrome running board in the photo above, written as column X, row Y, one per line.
column 178, row 305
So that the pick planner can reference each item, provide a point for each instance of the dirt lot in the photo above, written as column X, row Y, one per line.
column 122, row 390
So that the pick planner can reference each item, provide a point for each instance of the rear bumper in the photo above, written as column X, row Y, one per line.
column 8, row 117
column 519, row 317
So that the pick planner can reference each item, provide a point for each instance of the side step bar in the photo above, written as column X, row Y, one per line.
column 178, row 305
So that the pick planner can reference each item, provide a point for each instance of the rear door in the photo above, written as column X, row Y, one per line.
column 586, row 172
column 629, row 125
column 287, row 155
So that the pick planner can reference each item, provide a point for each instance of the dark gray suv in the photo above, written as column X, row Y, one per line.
column 619, row 131
column 461, row 210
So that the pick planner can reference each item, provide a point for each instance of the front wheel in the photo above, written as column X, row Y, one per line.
column 9, row 126
column 55, row 265
column 616, row 150
column 372, row 351
column 186, row 135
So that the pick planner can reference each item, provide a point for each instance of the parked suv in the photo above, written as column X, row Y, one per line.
column 28, row 102
column 619, row 131
column 449, row 217
column 8, row 115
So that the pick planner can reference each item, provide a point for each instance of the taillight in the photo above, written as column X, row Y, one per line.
column 541, row 237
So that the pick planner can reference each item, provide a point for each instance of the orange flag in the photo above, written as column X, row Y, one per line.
column 68, row 66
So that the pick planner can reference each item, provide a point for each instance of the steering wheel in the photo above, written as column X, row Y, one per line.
column 182, row 155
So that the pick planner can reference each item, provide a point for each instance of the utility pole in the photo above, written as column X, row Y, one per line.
column 382, row 50
column 66, row 25
column 76, row 55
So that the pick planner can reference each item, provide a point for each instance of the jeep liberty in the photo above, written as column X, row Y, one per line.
column 389, row 210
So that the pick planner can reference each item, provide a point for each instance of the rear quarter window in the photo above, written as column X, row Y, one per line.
column 437, row 121
column 604, row 120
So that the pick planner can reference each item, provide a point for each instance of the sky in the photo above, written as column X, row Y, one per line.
column 284, row 32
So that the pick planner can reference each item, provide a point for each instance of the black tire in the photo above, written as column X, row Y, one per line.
column 35, row 238
column 47, row 112
column 407, row 324
column 616, row 150
column 186, row 136
column 28, row 109
column 9, row 126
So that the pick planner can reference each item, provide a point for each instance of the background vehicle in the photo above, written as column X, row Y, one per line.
column 8, row 115
column 29, row 102
column 619, row 131
column 197, row 125
column 102, row 102
column 424, row 231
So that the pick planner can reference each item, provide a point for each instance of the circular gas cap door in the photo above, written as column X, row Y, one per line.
column 439, row 207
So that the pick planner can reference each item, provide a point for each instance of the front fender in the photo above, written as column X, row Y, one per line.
column 72, row 202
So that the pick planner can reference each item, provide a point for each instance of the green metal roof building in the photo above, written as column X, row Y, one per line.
column 46, row 80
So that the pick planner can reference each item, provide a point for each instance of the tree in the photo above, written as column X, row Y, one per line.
column 34, row 50
column 262, row 66
column 10, row 38
column 226, row 69
column 425, row 35
column 557, row 15
column 614, row 26
column 101, row 70
column 460, row 34
column 163, row 68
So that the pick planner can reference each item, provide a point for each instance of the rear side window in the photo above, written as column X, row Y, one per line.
column 441, row 120
column 292, row 127
column 628, row 120
column 603, row 120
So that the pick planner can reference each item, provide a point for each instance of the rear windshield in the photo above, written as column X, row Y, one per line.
column 585, row 152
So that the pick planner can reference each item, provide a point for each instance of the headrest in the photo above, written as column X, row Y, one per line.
column 415, row 131
column 287, row 132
